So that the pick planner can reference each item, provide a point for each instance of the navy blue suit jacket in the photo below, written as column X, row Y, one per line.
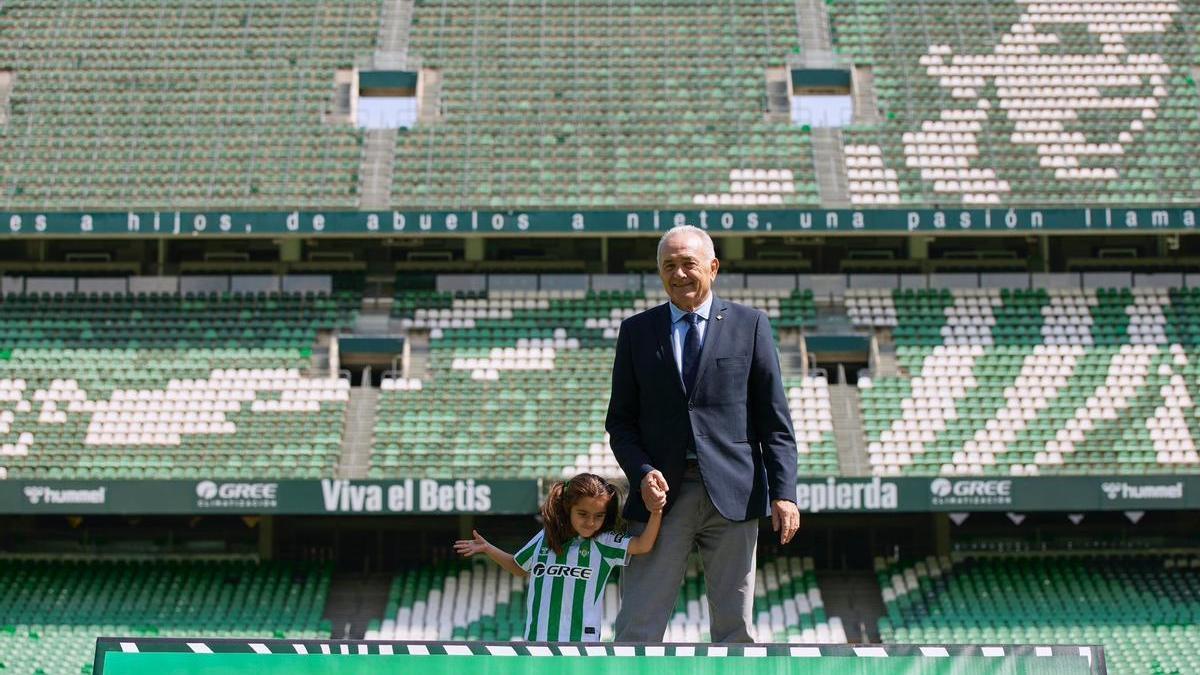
column 736, row 418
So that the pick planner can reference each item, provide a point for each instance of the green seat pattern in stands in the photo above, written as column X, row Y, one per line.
column 1142, row 607
column 52, row 611
column 542, row 109
column 142, row 104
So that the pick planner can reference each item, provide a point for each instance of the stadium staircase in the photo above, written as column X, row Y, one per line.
column 856, row 598
column 829, row 162
column 778, row 105
column 395, row 24
column 885, row 361
column 791, row 360
column 359, row 433
column 6, row 84
column 418, row 354
column 816, row 43
column 373, row 319
column 378, row 162
column 354, row 600
column 379, row 145
column 845, row 403
column 429, row 102
column 866, row 104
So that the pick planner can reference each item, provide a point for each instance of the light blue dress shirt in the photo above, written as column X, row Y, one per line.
column 679, row 329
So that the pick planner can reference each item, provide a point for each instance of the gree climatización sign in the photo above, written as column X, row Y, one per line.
column 1052, row 493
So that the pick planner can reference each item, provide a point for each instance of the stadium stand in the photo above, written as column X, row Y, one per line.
column 1032, row 382
column 519, row 384
column 812, row 423
column 168, row 386
column 146, row 104
column 171, row 320
column 1141, row 606
column 479, row 601
column 1075, row 105
column 1022, row 102
column 52, row 609
column 566, row 106
column 671, row 116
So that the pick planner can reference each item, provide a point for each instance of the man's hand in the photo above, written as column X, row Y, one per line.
column 654, row 490
column 785, row 519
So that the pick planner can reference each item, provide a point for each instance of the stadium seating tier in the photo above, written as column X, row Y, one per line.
column 159, row 105
column 53, row 609
column 169, row 386
column 1142, row 607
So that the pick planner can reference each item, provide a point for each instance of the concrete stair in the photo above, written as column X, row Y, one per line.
column 376, row 170
column 418, row 355
column 359, row 433
column 866, row 104
column 886, row 364
column 845, row 401
column 816, row 39
column 391, row 43
column 354, row 601
column 855, row 597
column 830, row 164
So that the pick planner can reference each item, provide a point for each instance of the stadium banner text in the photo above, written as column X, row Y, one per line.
column 997, row 493
column 716, row 220
column 418, row 496
column 152, row 656
column 425, row 496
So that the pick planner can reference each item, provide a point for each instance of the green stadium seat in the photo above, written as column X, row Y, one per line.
column 1032, row 382
column 476, row 600
column 1141, row 606
column 156, row 387
column 53, row 609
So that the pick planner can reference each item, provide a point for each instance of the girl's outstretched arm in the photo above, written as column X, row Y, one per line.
column 644, row 542
column 470, row 547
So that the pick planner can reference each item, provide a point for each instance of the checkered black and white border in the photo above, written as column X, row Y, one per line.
column 1094, row 654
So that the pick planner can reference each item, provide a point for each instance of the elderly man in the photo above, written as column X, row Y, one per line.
column 698, row 415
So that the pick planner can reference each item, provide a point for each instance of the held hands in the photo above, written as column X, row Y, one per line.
column 785, row 519
column 470, row 547
column 654, row 491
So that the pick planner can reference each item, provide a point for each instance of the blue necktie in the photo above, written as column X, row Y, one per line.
column 691, row 351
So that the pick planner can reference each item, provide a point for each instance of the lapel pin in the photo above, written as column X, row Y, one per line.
column 720, row 316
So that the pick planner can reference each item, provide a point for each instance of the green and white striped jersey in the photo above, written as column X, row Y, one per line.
column 566, row 592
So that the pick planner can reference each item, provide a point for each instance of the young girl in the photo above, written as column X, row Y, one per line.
column 571, row 559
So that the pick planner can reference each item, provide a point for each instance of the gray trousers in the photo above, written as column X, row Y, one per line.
column 650, row 583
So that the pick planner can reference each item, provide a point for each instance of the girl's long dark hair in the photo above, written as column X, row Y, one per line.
column 556, row 511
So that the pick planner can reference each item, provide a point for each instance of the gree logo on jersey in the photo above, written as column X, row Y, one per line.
column 565, row 571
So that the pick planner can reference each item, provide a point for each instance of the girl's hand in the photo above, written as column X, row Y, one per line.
column 657, row 503
column 470, row 547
